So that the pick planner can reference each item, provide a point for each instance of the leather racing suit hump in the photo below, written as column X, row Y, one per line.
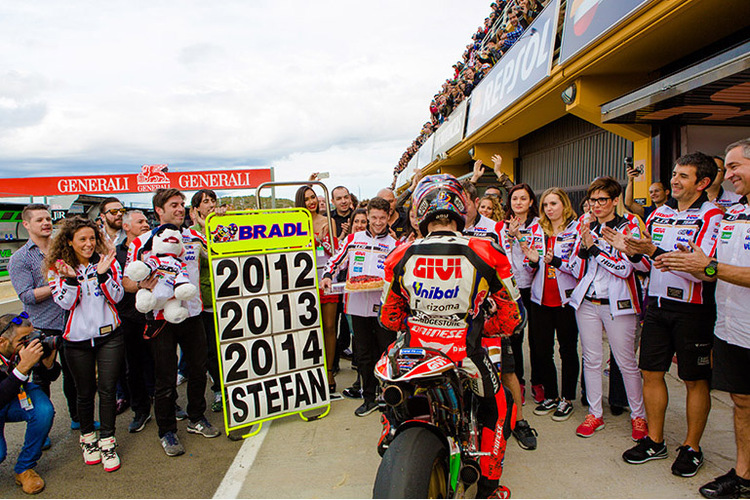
column 446, row 292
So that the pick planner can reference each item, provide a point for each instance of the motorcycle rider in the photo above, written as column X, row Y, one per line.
column 447, row 291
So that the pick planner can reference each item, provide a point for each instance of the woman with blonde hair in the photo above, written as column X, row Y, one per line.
column 547, row 256
column 85, row 280
column 490, row 207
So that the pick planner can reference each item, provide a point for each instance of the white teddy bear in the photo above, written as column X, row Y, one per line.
column 174, row 286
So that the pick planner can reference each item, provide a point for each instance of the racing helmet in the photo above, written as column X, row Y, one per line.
column 439, row 196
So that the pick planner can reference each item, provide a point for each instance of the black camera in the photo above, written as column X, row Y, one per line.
column 49, row 342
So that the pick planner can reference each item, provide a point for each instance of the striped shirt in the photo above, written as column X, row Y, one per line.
column 25, row 270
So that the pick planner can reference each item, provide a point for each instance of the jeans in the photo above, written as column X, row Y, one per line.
column 95, row 370
column 370, row 340
column 38, row 423
column 192, row 340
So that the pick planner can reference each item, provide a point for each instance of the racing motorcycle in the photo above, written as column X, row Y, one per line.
column 431, row 432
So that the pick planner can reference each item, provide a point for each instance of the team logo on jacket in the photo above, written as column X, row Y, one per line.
column 434, row 292
column 437, row 267
column 478, row 301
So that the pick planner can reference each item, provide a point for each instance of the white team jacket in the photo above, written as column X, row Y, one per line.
column 613, row 268
column 90, row 298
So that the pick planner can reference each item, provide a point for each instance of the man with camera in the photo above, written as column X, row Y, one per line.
column 21, row 349
column 25, row 271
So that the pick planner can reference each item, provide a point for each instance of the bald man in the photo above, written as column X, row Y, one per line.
column 398, row 219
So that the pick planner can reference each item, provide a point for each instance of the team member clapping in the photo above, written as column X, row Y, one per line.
column 607, row 297
column 85, row 280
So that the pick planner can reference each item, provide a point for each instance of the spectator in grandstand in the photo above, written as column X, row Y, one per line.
column 730, row 266
column 513, row 31
column 680, row 314
column 606, row 298
column 521, row 213
column 716, row 192
column 306, row 198
column 32, row 288
column 658, row 192
column 169, row 205
column 490, row 207
column 86, row 280
column 111, row 212
column 547, row 253
column 203, row 204
column 20, row 399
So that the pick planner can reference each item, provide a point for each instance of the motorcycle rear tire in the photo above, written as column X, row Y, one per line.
column 415, row 465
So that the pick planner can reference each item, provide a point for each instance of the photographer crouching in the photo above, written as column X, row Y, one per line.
column 21, row 349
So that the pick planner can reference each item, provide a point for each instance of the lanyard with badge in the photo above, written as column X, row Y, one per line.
column 23, row 399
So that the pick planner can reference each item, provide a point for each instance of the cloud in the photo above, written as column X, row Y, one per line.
column 213, row 85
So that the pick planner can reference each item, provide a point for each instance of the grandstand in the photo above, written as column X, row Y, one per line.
column 587, row 84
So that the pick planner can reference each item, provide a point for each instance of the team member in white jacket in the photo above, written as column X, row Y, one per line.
column 607, row 297
column 363, row 254
column 521, row 213
column 680, row 314
column 551, row 288
column 85, row 280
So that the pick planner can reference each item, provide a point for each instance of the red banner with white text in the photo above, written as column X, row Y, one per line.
column 151, row 178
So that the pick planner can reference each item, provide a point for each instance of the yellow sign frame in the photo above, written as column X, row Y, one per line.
column 239, row 233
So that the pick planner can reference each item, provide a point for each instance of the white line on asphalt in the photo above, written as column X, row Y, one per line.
column 235, row 477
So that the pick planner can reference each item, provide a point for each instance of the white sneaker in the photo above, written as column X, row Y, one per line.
column 110, row 460
column 181, row 379
column 90, row 448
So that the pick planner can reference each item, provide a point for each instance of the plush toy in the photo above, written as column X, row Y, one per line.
column 164, row 261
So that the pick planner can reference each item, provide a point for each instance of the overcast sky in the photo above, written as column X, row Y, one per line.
column 337, row 86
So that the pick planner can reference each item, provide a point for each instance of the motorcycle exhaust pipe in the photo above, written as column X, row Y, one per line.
column 469, row 473
column 393, row 395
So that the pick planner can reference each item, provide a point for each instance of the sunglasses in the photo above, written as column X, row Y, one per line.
column 115, row 211
column 18, row 320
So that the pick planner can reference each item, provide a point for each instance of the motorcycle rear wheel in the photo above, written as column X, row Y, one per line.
column 415, row 465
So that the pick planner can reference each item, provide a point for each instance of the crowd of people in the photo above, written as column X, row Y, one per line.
column 640, row 278
column 78, row 302
column 501, row 29
column 664, row 283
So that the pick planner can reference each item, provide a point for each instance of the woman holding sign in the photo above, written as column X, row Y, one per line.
column 325, row 247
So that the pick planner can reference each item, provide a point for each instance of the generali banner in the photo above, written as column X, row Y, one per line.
column 151, row 178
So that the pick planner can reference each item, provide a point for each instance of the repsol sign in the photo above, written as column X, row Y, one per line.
column 523, row 66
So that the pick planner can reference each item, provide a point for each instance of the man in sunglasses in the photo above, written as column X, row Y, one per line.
column 111, row 211
column 22, row 400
